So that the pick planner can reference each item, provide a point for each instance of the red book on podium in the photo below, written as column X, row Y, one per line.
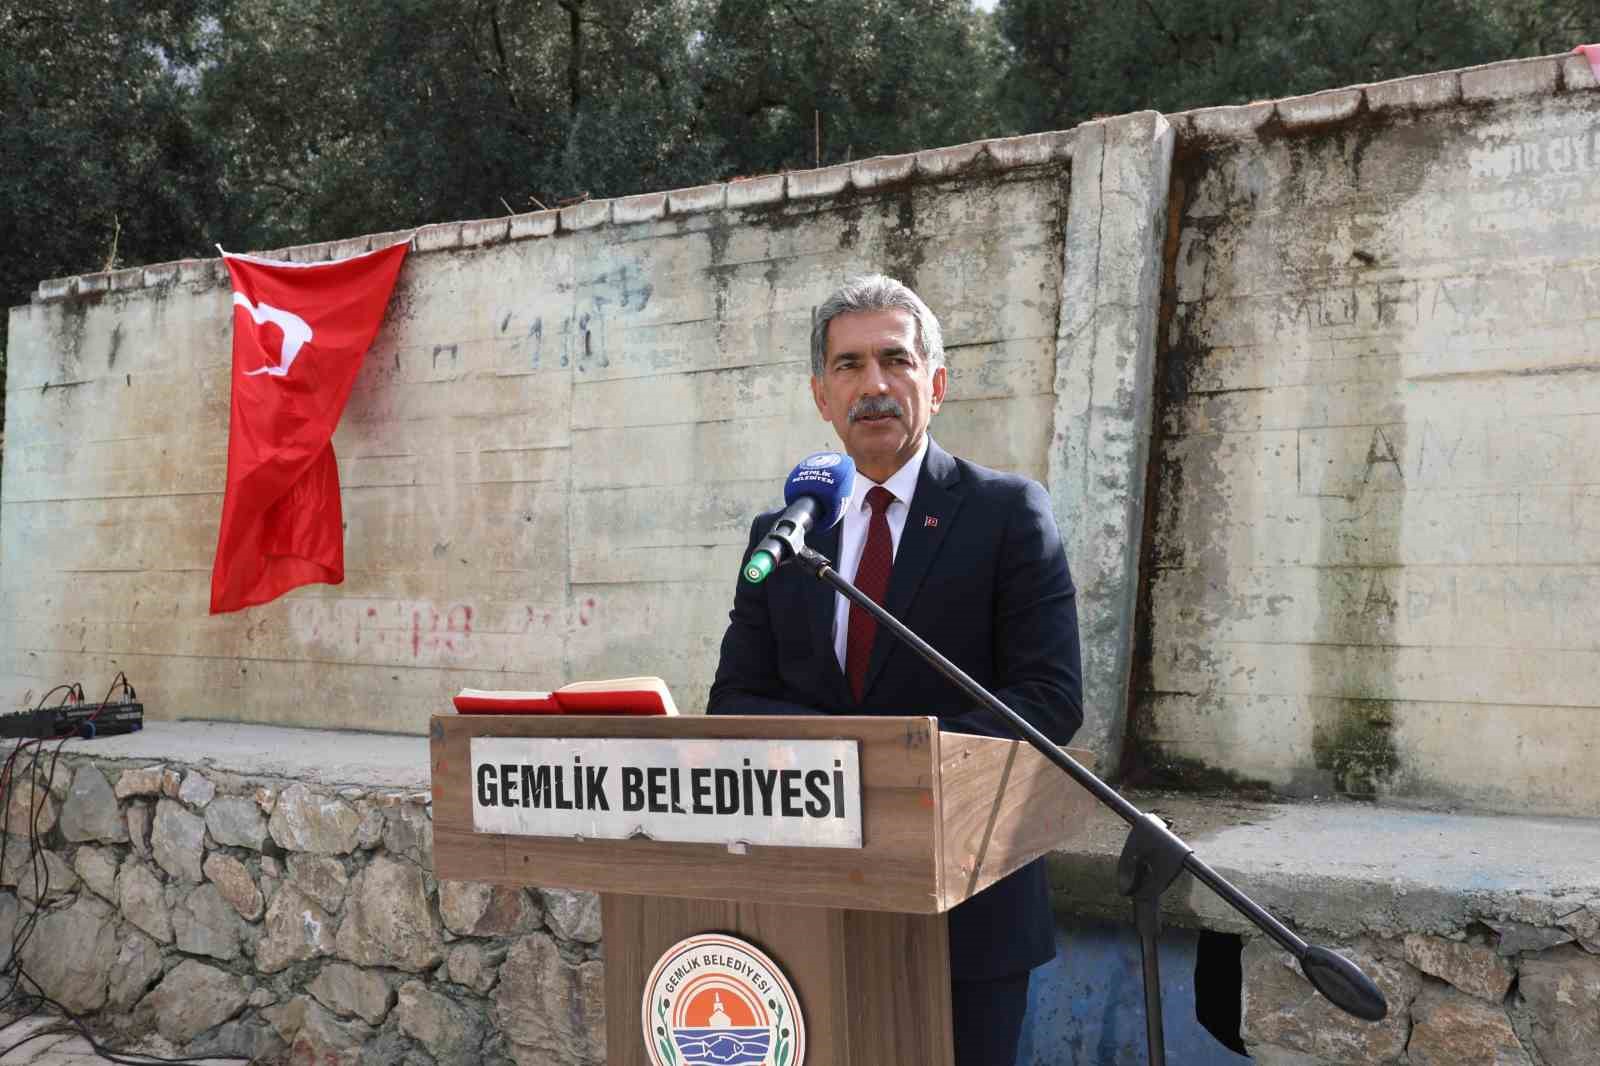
column 623, row 695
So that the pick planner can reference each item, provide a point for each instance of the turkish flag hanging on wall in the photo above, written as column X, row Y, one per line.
column 299, row 335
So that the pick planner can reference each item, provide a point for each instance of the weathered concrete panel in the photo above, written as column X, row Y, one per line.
column 1377, row 454
column 549, row 460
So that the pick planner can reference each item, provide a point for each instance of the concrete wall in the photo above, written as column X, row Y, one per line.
column 1368, row 560
column 557, row 442
column 1374, row 560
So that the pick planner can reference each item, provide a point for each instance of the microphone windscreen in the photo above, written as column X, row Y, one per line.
column 828, row 478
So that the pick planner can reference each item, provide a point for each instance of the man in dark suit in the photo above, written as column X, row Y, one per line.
column 972, row 561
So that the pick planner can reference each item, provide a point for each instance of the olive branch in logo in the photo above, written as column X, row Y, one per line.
column 781, row 1055
column 664, row 1036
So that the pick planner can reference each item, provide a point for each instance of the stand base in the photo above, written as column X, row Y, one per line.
column 874, row 985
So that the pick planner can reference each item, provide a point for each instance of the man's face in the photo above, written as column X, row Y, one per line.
column 876, row 389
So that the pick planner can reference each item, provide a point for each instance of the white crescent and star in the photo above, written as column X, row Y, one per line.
column 295, row 333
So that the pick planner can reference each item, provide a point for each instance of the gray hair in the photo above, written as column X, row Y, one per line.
column 874, row 292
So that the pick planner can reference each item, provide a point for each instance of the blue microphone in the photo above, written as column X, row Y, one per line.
column 817, row 492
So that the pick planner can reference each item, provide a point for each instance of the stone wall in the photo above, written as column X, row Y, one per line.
column 1487, row 998
column 555, row 447
column 272, row 918
column 1372, row 560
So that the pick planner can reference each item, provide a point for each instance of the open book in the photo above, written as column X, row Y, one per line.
column 623, row 695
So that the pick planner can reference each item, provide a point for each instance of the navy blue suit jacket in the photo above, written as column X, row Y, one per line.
column 986, row 583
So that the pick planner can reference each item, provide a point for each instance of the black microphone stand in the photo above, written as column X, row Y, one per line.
column 1153, row 855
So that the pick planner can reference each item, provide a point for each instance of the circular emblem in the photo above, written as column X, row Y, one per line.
column 823, row 459
column 716, row 1000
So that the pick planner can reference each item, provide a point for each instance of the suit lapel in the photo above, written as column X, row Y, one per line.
column 819, row 601
column 933, row 512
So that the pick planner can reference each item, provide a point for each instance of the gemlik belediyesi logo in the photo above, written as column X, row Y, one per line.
column 716, row 1000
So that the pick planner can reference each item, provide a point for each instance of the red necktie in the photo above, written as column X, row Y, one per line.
column 872, row 577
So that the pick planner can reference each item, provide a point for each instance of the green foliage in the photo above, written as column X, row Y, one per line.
column 1070, row 60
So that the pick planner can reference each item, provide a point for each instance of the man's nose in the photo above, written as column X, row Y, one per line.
column 873, row 379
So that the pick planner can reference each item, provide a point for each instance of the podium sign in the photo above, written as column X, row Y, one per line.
column 795, row 793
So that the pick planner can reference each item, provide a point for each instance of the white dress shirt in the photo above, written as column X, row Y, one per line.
column 902, row 485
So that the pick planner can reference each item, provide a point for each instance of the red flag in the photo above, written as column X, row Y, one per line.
column 299, row 335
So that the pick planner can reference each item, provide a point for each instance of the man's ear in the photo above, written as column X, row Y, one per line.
column 820, row 398
column 940, row 382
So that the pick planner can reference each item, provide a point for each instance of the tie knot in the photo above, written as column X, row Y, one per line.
column 879, row 499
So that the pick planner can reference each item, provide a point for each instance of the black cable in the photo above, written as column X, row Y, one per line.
column 41, row 884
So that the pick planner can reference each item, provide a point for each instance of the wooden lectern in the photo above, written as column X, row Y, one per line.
column 861, row 932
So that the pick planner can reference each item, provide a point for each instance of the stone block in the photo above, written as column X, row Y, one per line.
column 1517, row 938
column 250, row 1039
column 320, row 252
column 58, row 289
column 1450, row 1028
column 474, row 965
column 90, row 811
column 142, row 902
column 195, row 997
column 472, row 908
column 160, row 275
column 438, row 237
column 755, row 192
column 136, row 969
column 944, row 162
column 127, row 279
column 646, row 207
column 171, row 782
column 71, row 952
column 484, row 232
column 233, row 880
column 813, row 184
column 883, row 170
column 307, row 820
column 98, row 868
column 145, row 782
column 1561, row 992
column 139, row 816
column 1577, row 75
column 1414, row 94
column 236, row 822
column 29, row 810
column 350, row 991
column 1510, row 80
column 321, row 877
column 1233, row 123
column 207, row 924
column 1319, row 109
column 322, row 1040
column 350, row 246
column 388, row 920
column 696, row 199
column 1030, row 150
column 587, row 215
column 177, row 840
column 572, row 915
column 41, row 875
column 200, row 272
column 197, row 790
column 1282, row 1009
column 1472, row 968
column 445, row 1029
column 409, row 833
column 548, row 1007
column 533, row 224
column 94, row 284
column 296, row 929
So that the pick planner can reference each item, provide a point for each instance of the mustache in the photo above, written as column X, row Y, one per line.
column 867, row 406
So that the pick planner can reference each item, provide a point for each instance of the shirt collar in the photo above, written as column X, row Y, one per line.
column 902, row 484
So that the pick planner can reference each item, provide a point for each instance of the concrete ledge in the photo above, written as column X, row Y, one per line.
column 1351, row 870
column 319, row 756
